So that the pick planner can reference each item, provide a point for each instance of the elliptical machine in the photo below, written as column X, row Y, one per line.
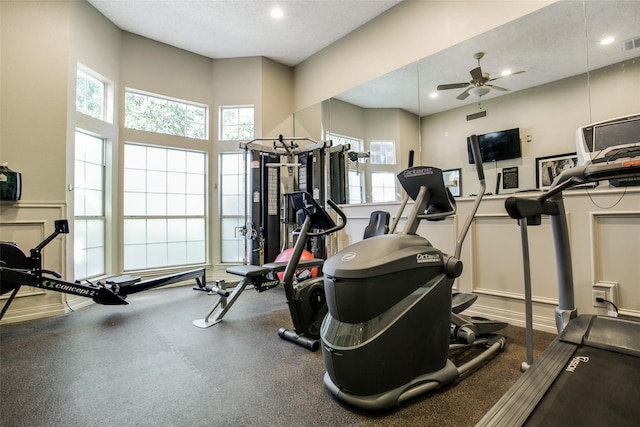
column 391, row 323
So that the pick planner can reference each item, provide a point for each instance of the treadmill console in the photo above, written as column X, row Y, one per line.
column 611, row 140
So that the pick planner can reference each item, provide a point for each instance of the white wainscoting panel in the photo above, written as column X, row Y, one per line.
column 616, row 255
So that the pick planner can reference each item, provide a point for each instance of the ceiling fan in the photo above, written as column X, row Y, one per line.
column 478, row 85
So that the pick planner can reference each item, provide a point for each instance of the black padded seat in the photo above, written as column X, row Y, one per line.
column 378, row 224
column 248, row 270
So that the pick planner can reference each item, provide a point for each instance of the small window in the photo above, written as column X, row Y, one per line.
column 383, row 186
column 355, row 186
column 90, row 95
column 383, row 153
column 236, row 123
column 354, row 143
column 168, row 116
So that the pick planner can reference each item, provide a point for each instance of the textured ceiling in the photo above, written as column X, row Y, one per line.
column 243, row 28
column 555, row 42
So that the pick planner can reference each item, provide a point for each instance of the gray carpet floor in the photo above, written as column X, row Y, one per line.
column 145, row 364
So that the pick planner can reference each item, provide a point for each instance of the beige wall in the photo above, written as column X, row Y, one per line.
column 33, row 132
column 277, row 99
column 549, row 114
column 35, row 52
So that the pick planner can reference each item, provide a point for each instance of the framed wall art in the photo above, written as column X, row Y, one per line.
column 549, row 167
column 453, row 181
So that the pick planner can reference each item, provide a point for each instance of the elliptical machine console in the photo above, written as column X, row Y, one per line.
column 390, row 325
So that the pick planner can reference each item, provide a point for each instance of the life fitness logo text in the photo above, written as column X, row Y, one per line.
column 348, row 256
column 571, row 367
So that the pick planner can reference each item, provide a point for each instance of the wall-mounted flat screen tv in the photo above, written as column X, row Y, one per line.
column 495, row 146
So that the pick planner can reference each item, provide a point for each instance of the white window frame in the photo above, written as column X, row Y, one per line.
column 382, row 157
column 89, row 191
column 106, row 98
column 232, row 193
column 389, row 192
column 158, row 224
column 145, row 117
column 231, row 130
column 356, row 186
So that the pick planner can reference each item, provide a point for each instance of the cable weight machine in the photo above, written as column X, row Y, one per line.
column 273, row 219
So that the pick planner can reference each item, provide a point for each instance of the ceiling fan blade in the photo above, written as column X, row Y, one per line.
column 464, row 95
column 508, row 75
column 476, row 74
column 452, row 86
column 498, row 88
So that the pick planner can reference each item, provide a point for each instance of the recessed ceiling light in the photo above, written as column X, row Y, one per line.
column 607, row 40
column 277, row 13
column 506, row 73
column 433, row 95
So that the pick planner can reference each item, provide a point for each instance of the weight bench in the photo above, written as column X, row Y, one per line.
column 262, row 278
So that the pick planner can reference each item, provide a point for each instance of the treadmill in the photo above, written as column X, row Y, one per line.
column 590, row 374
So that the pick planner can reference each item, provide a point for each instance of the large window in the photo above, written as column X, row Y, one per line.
column 236, row 123
column 89, row 197
column 164, row 207
column 233, row 204
column 158, row 114
column 91, row 95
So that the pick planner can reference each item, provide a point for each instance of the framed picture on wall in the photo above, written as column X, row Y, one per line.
column 549, row 167
column 453, row 181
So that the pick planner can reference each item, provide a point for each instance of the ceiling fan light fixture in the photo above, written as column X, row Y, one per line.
column 479, row 90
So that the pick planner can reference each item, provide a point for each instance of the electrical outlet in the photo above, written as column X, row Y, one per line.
column 605, row 290
column 598, row 294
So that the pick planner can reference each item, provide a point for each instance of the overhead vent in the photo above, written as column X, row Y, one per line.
column 631, row 44
column 477, row 115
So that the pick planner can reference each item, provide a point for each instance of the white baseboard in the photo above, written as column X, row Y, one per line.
column 515, row 318
column 32, row 313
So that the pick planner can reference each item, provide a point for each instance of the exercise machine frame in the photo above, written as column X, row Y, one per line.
column 17, row 270
column 264, row 183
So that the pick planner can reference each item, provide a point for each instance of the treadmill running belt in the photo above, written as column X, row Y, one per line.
column 596, row 388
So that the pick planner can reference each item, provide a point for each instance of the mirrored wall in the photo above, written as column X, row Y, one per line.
column 572, row 63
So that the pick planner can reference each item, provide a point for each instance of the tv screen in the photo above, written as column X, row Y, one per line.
column 495, row 146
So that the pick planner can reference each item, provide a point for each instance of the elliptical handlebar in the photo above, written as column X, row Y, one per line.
column 321, row 220
column 477, row 158
column 343, row 221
